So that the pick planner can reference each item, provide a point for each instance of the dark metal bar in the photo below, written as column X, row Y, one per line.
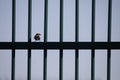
column 61, row 65
column 45, row 65
column 109, row 19
column 93, row 21
column 45, row 39
column 45, row 19
column 13, row 39
column 92, row 64
column 108, row 64
column 29, row 19
column 93, row 40
column 29, row 38
column 13, row 19
column 58, row 45
column 61, row 40
column 109, row 39
column 76, row 64
column 29, row 65
column 77, row 39
column 13, row 65
column 61, row 20
column 77, row 21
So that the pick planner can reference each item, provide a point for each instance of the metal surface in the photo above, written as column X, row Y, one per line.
column 61, row 40
column 77, row 39
column 29, row 38
column 45, row 39
column 93, row 40
column 13, row 39
column 58, row 45
column 109, row 39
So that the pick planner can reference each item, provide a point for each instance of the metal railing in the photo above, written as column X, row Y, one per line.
column 61, row 45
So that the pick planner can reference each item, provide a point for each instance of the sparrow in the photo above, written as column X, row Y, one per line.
column 37, row 36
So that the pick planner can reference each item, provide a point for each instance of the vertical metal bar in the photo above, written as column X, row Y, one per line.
column 45, row 20
column 61, row 40
column 108, row 64
column 13, row 38
column 29, row 38
column 61, row 20
column 29, row 65
column 61, row 65
column 76, row 64
column 76, row 39
column 13, row 65
column 92, row 64
column 45, row 65
column 45, row 39
column 109, row 39
column 93, row 40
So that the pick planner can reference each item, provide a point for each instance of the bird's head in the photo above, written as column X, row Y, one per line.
column 38, row 34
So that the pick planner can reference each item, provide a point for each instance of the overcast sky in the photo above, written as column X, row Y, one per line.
column 53, row 35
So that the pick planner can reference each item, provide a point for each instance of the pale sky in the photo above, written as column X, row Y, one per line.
column 53, row 35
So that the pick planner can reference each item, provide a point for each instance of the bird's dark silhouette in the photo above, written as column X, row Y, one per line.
column 37, row 36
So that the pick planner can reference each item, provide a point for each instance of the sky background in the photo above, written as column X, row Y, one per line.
column 53, row 35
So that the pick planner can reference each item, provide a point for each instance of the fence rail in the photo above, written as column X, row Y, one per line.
column 60, row 45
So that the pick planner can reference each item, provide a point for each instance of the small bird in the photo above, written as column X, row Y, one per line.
column 37, row 36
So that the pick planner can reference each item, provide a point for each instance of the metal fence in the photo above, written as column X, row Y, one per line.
column 61, row 45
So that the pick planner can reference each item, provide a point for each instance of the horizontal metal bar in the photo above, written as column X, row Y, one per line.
column 60, row 45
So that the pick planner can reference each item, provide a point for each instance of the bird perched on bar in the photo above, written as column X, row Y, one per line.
column 37, row 37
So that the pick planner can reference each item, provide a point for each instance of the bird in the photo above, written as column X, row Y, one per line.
column 37, row 36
